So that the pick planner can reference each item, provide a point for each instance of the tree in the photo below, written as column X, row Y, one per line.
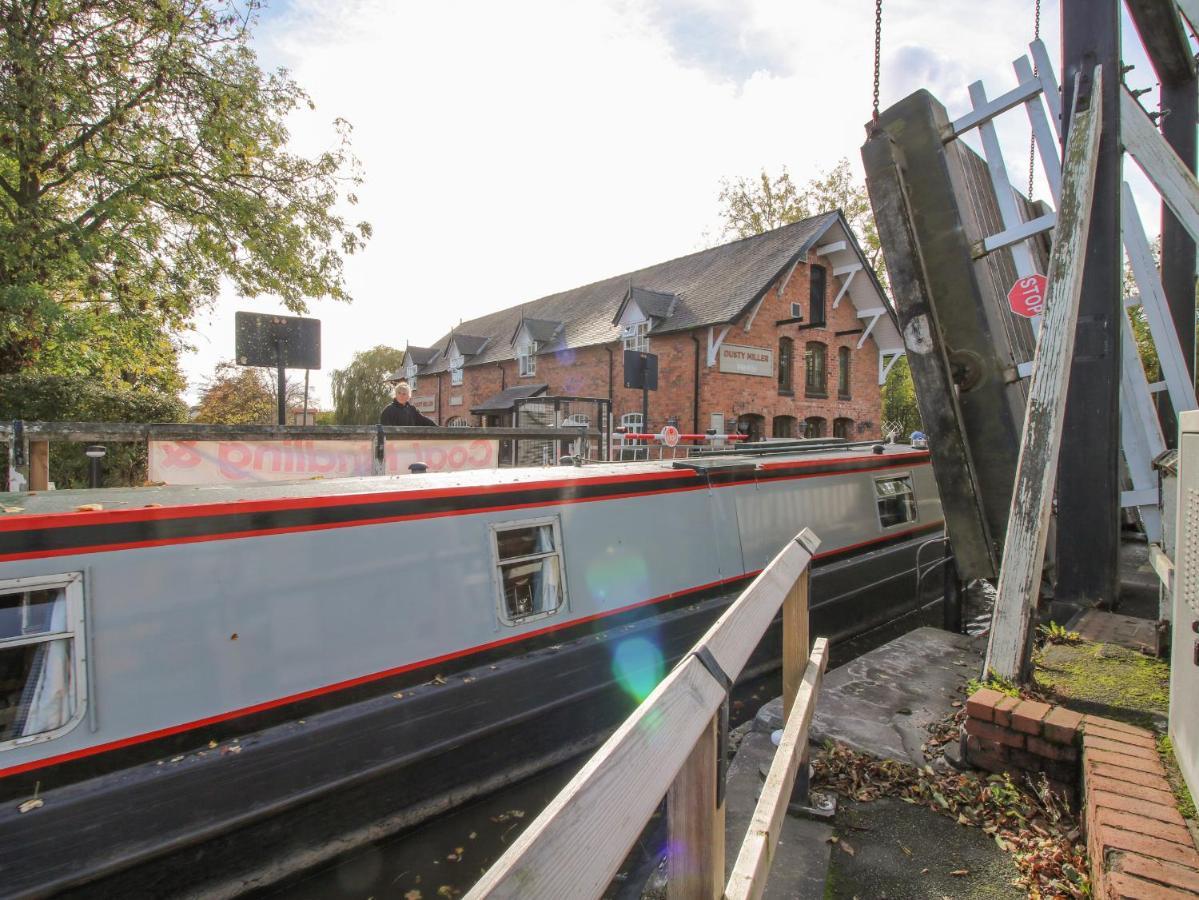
column 899, row 399
column 754, row 205
column 143, row 163
column 360, row 390
column 245, row 395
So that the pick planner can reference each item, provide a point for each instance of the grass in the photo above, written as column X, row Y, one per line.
column 1126, row 684
column 1182, row 795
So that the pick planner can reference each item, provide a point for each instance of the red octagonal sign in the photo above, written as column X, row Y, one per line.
column 1027, row 296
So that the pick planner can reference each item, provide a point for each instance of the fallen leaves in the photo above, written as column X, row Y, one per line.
column 12, row 509
column 1030, row 822
column 89, row 507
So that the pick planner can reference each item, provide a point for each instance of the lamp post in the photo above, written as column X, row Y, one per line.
column 95, row 453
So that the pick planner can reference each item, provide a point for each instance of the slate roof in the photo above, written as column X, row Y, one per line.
column 421, row 355
column 711, row 287
column 468, row 345
column 656, row 304
column 540, row 330
column 503, row 401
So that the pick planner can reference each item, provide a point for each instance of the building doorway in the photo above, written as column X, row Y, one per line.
column 752, row 425
column 843, row 428
column 813, row 427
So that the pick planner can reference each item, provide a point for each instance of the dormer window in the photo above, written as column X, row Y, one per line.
column 456, row 364
column 526, row 359
column 635, row 336
column 410, row 374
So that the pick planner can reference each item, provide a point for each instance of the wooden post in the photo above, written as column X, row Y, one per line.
column 795, row 639
column 39, row 465
column 695, row 854
column 1032, row 499
column 1088, row 486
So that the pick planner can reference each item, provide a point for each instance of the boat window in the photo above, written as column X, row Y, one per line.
column 41, row 670
column 896, row 500
column 528, row 558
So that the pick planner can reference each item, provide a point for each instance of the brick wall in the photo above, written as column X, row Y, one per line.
column 597, row 371
column 1004, row 734
column 1137, row 842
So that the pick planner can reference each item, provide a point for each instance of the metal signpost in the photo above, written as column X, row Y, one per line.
column 641, row 371
column 280, row 342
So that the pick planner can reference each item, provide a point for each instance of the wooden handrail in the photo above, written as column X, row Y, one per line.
column 748, row 879
column 669, row 745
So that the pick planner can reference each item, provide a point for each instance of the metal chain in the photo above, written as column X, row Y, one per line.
column 1032, row 141
column 878, row 43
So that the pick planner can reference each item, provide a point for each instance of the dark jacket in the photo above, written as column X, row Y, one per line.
column 403, row 414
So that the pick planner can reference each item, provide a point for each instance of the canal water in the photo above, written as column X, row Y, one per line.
column 443, row 858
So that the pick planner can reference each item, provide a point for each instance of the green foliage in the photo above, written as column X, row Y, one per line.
column 79, row 399
column 1182, row 794
column 143, row 163
column 996, row 683
column 753, row 205
column 899, row 399
column 237, row 395
column 1058, row 634
column 359, row 390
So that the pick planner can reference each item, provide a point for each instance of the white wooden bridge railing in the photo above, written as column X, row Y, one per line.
column 670, row 746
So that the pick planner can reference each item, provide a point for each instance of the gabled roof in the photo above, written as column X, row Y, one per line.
column 422, row 356
column 711, row 287
column 540, row 330
column 469, row 344
column 655, row 304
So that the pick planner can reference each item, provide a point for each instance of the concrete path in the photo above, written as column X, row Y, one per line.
column 883, row 702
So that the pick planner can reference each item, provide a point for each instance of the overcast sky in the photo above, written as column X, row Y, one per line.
column 516, row 149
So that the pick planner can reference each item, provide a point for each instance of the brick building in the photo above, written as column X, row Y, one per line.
column 783, row 334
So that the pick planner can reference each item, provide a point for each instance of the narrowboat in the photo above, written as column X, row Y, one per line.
column 205, row 689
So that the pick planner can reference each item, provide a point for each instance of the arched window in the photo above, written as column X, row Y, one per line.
column 813, row 427
column 783, row 427
column 752, row 424
column 786, row 364
column 843, row 373
column 457, row 422
column 843, row 428
column 816, row 284
column 816, row 380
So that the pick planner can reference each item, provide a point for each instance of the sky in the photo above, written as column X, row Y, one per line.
column 516, row 149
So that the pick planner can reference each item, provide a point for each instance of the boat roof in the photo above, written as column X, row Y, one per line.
column 16, row 505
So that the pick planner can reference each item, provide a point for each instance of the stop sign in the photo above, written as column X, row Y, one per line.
column 1027, row 296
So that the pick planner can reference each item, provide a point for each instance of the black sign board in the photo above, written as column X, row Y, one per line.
column 288, row 342
column 640, row 370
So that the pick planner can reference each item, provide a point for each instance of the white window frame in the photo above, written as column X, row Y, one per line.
column 893, row 476
column 526, row 360
column 72, row 583
column 497, row 579
column 797, row 310
column 410, row 372
column 456, row 365
column 635, row 336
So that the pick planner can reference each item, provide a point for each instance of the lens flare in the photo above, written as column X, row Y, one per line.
column 565, row 357
column 619, row 576
column 638, row 666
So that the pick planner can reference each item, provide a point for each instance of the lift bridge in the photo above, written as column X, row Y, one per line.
column 1029, row 415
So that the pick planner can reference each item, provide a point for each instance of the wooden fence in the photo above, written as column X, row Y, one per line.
column 671, row 745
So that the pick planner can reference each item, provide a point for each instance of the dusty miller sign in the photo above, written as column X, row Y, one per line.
column 746, row 360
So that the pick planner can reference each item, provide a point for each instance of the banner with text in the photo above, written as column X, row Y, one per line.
column 224, row 462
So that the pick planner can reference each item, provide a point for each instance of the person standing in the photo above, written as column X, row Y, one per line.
column 401, row 412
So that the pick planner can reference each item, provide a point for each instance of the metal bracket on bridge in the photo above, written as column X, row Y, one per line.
column 708, row 661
